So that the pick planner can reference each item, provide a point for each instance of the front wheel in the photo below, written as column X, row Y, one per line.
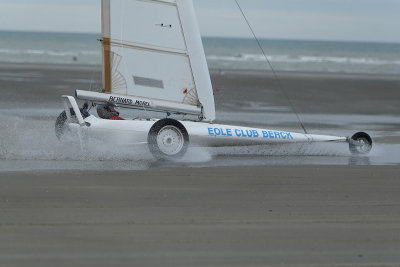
column 168, row 139
column 360, row 144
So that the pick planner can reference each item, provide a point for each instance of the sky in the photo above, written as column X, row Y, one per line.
column 342, row 20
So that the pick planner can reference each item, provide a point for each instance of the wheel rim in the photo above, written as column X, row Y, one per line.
column 170, row 140
column 363, row 145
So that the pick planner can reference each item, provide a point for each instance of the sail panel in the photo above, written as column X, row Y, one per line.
column 153, row 50
column 164, row 72
column 150, row 23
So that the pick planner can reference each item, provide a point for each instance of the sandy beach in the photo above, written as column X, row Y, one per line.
column 301, row 207
column 227, row 216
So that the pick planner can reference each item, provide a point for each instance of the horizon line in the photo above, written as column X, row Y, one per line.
column 216, row 37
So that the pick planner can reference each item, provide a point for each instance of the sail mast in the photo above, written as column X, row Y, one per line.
column 106, row 32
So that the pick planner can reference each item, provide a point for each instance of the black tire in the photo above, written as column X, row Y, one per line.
column 168, row 139
column 360, row 144
column 61, row 126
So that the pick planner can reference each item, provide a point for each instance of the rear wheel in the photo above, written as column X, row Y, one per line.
column 360, row 144
column 168, row 139
column 61, row 127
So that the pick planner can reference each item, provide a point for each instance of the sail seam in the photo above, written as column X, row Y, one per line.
column 148, row 48
column 159, row 2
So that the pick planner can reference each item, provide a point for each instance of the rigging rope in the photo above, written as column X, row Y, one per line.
column 92, row 81
column 273, row 70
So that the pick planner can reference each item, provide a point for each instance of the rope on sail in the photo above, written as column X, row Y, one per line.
column 273, row 70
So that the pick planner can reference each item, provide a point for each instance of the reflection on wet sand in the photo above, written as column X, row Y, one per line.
column 359, row 160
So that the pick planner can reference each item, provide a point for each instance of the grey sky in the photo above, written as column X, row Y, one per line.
column 353, row 20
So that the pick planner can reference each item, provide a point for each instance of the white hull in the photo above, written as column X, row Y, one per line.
column 204, row 134
column 200, row 134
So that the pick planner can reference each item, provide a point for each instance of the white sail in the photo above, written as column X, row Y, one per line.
column 153, row 51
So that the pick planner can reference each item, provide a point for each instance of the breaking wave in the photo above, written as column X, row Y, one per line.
column 303, row 59
column 48, row 52
column 50, row 56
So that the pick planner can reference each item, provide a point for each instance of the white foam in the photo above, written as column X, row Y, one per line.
column 58, row 53
column 304, row 59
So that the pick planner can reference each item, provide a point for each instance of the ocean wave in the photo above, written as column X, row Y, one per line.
column 304, row 59
column 54, row 53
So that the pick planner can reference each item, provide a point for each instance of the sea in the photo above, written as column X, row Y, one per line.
column 221, row 53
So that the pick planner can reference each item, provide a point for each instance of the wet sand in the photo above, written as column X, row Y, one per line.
column 321, row 93
column 259, row 216
column 304, row 214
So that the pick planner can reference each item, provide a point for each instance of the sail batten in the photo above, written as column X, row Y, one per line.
column 167, row 2
column 148, row 47
column 153, row 50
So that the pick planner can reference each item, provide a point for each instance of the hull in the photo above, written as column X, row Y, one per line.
column 200, row 134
